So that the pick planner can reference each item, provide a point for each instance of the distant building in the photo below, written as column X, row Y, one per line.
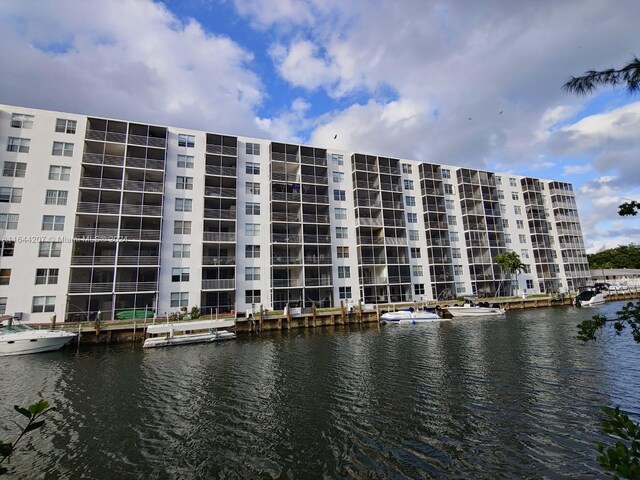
column 617, row 276
column 108, row 215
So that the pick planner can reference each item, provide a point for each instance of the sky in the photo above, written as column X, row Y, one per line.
column 468, row 83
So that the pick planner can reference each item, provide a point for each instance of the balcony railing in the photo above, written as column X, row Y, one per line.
column 285, row 157
column 97, row 182
column 322, row 180
column 136, row 286
column 222, row 150
column 221, row 171
column 145, row 210
column 88, row 287
column 219, row 284
column 371, row 240
column 283, row 283
column 217, row 213
column 396, row 240
column 147, row 141
column 286, row 238
column 373, row 261
column 148, row 163
column 311, row 218
column 220, row 192
column 219, row 236
column 308, row 198
column 139, row 186
column 314, row 260
column 317, row 239
column 100, row 159
column 91, row 207
column 285, row 217
column 91, row 260
column 368, row 221
column 132, row 234
column 219, row 260
column 285, row 197
column 306, row 160
column 374, row 280
column 318, row 282
column 83, row 233
column 284, row 260
column 285, row 177
column 139, row 260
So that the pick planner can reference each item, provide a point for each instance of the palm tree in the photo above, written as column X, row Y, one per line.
column 510, row 263
column 628, row 75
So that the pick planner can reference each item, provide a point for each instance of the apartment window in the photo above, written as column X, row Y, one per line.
column 251, row 273
column 456, row 253
column 520, row 223
column 452, row 220
column 252, row 188
column 505, row 223
column 62, row 149
column 53, row 222
column 253, row 168
column 415, row 252
column 503, row 209
column 252, row 208
column 20, row 120
column 417, row 270
column 457, row 269
column 344, row 272
column 252, row 229
column 446, row 173
column 507, row 238
column 253, row 149
column 418, row 289
column 184, row 183
column 46, row 276
column 5, row 276
column 337, row 159
column 65, row 126
column 340, row 195
column 252, row 251
column 341, row 213
column 344, row 292
column 408, row 184
column 500, row 194
column 16, row 144
column 184, row 204
column 414, row 235
column 515, row 196
column 57, row 172
column 181, row 250
column 338, row 177
column 524, row 253
column 449, row 204
column 181, row 227
column 56, row 197
column 517, row 210
column 522, row 238
column 498, row 180
column 186, row 140
column 6, row 248
column 9, row 221
column 252, row 296
column 43, row 304
column 343, row 252
column 410, row 201
column 3, row 305
column 448, row 188
column 453, row 236
column 460, row 287
column 529, row 283
column 512, row 182
column 185, row 161
column 10, row 195
column 179, row 299
column 342, row 232
column 180, row 274
column 406, row 168
column 49, row 249
column 412, row 218
column 14, row 169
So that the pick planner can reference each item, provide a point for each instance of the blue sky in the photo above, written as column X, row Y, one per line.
column 406, row 78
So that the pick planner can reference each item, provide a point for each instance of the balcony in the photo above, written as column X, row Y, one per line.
column 219, row 214
column 284, row 283
column 132, row 234
column 147, row 141
column 371, row 240
column 306, row 160
column 311, row 218
column 285, row 217
column 396, row 240
column 318, row 282
column 139, row 260
column 286, row 238
column 95, row 233
column 284, row 157
column 104, row 135
column 286, row 197
column 307, row 198
column 322, row 180
column 314, row 260
column 136, row 286
column 374, row 280
column 218, row 236
column 220, row 192
column 368, row 221
column 284, row 260
column 219, row 284
column 103, row 183
column 100, row 159
column 373, row 261
column 91, row 207
column 222, row 150
column 144, row 210
column 317, row 239
column 148, row 163
column 221, row 171
column 87, row 287
column 218, row 260
column 137, row 186
column 91, row 260
column 366, row 167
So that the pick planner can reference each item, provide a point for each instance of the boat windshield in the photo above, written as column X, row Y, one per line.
column 4, row 329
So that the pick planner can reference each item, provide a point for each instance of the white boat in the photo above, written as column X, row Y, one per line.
column 470, row 309
column 409, row 317
column 184, row 333
column 19, row 339
column 589, row 297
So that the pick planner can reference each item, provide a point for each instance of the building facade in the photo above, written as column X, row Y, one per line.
column 109, row 215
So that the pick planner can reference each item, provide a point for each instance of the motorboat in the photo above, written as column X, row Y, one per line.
column 589, row 297
column 409, row 317
column 471, row 309
column 184, row 333
column 20, row 339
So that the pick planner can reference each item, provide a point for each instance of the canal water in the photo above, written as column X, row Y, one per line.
column 478, row 398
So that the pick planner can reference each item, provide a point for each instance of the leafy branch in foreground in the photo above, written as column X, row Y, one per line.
column 628, row 75
column 34, row 413
column 629, row 316
column 623, row 458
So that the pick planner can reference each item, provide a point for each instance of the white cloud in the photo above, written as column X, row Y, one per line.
column 576, row 169
column 300, row 65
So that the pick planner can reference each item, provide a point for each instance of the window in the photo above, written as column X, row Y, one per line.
column 520, row 223
column 253, row 168
column 452, row 220
column 181, row 250
column 180, row 274
column 498, row 180
column 185, row 161
column 512, row 182
column 10, row 195
column 56, row 197
column 337, row 159
column 524, row 253
column 500, row 194
column 252, row 296
column 252, row 229
column 3, row 305
column 16, row 144
column 406, row 168
column 342, row 232
column 460, row 287
column 14, row 169
column 522, row 238
column 415, row 252
column 418, row 288
column 410, row 201
column 252, row 251
column 184, row 204
column 412, row 218
column 57, row 172
column 20, row 120
column 179, row 299
column 252, row 208
column 53, row 222
column 414, row 235
column 408, row 184
column 505, row 223
column 503, row 209
column 456, row 253
column 448, row 188
column 43, row 304
column 344, row 292
column 9, row 221
column 253, row 149
column 343, row 252
column 507, row 238
column 62, row 149
column 446, row 173
column 344, row 272
column 449, row 204
column 517, row 210
column 182, row 227
column 184, row 183
column 49, row 249
column 417, row 270
column 252, row 188
column 341, row 213
column 515, row 196
column 457, row 269
column 65, row 126
column 251, row 273
column 46, row 276
column 186, row 140
column 529, row 283
column 6, row 248
column 340, row 195
column 453, row 236
column 5, row 276
column 338, row 177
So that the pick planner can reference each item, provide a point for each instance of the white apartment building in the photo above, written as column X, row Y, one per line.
column 110, row 215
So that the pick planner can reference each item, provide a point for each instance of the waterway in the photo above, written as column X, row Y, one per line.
column 478, row 398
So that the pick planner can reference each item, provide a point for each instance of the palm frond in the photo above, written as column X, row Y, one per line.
column 628, row 75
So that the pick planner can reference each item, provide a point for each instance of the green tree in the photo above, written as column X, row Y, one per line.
column 624, row 256
column 510, row 263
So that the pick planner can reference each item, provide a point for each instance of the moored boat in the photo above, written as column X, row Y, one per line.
column 471, row 309
column 20, row 339
column 409, row 317
column 589, row 297
column 184, row 333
